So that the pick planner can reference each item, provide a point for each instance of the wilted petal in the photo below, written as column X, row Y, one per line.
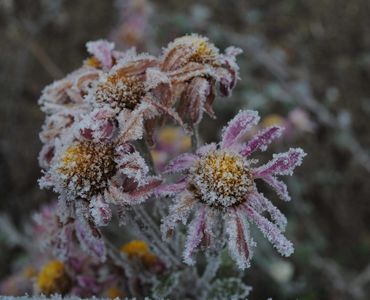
column 179, row 212
column 261, row 140
column 102, row 50
column 240, row 243
column 194, row 236
column 282, row 163
column 100, row 211
column 238, row 126
column 90, row 239
column 181, row 163
column 141, row 193
column 271, row 232
column 260, row 204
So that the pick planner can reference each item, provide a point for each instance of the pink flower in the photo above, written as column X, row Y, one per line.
column 97, row 166
column 219, row 187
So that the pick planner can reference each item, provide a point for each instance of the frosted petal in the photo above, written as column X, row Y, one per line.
column 181, row 163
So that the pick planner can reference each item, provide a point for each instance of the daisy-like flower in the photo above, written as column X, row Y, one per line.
column 97, row 165
column 196, row 68
column 219, row 187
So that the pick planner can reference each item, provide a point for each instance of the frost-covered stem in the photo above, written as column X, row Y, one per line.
column 194, row 138
column 213, row 264
column 147, row 156
column 150, row 231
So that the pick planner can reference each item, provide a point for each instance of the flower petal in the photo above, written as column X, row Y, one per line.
column 260, row 204
column 195, row 235
column 271, row 232
column 100, row 211
column 102, row 50
column 179, row 212
column 181, row 163
column 280, row 187
column 170, row 189
column 282, row 163
column 238, row 126
column 240, row 243
column 261, row 140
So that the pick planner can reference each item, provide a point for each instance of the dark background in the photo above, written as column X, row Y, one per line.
column 311, row 55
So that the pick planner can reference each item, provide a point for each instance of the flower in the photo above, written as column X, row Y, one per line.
column 139, row 249
column 219, row 184
column 53, row 278
column 195, row 68
column 97, row 166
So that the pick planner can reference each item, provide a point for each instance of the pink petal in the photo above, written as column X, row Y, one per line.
column 100, row 211
column 261, row 140
column 181, row 163
column 170, row 189
column 102, row 50
column 279, row 186
column 90, row 239
column 240, row 243
column 271, row 232
column 282, row 163
column 260, row 204
column 141, row 193
column 205, row 149
column 238, row 126
column 194, row 236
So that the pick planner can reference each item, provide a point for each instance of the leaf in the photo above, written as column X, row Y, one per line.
column 228, row 288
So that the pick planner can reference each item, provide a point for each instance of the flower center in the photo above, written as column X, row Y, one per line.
column 221, row 179
column 121, row 91
column 86, row 168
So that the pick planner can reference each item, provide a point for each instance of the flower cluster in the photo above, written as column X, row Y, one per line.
column 100, row 120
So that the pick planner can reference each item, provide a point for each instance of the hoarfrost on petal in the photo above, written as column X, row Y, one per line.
column 102, row 50
column 271, row 232
column 282, row 163
column 238, row 126
column 181, row 163
column 261, row 140
column 280, row 187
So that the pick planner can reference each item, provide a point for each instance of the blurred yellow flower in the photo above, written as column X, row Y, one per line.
column 53, row 278
column 139, row 249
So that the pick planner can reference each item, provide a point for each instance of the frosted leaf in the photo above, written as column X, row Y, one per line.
column 181, row 163
column 261, row 204
column 280, row 187
column 102, row 50
column 179, row 212
column 133, row 166
column 228, row 288
column 100, row 211
column 90, row 239
column 261, row 140
column 238, row 126
column 271, row 232
column 240, row 243
column 282, row 163
column 195, row 235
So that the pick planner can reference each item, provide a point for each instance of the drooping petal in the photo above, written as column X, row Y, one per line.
column 261, row 140
column 238, row 126
column 102, row 50
column 141, row 193
column 195, row 235
column 181, row 163
column 282, row 163
column 90, row 239
column 271, row 232
column 260, row 204
column 179, row 212
column 240, row 243
column 100, row 211
column 280, row 187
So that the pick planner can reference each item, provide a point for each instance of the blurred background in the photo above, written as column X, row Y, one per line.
column 306, row 65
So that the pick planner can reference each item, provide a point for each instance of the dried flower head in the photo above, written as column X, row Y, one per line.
column 219, row 184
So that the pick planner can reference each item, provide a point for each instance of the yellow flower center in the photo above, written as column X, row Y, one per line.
column 221, row 179
column 86, row 167
column 139, row 249
column 53, row 278
column 121, row 91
